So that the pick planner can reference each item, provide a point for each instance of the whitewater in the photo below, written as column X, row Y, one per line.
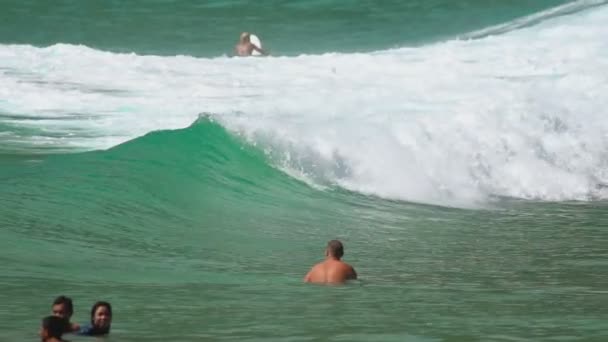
column 521, row 114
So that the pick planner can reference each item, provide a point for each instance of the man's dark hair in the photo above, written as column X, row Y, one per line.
column 55, row 326
column 67, row 301
column 335, row 248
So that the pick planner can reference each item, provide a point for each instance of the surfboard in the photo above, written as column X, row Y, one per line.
column 257, row 42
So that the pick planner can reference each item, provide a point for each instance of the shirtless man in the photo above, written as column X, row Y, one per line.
column 332, row 270
column 245, row 47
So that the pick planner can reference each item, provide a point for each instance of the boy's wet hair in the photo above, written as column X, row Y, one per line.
column 67, row 301
column 55, row 326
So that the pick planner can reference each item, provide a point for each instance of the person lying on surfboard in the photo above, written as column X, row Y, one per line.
column 245, row 47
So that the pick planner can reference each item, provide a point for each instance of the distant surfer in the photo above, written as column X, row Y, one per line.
column 332, row 269
column 245, row 47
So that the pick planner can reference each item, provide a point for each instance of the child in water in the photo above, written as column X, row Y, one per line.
column 101, row 320
column 52, row 329
column 63, row 308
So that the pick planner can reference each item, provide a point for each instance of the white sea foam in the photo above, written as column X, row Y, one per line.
column 522, row 114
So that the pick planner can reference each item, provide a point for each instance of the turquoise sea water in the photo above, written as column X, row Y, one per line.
column 458, row 149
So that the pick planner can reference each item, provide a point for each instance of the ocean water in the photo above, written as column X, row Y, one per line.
column 458, row 149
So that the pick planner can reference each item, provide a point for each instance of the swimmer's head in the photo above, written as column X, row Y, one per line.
column 245, row 37
column 101, row 315
column 62, row 307
column 335, row 249
column 52, row 327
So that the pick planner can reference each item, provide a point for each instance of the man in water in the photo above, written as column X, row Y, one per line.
column 332, row 270
column 245, row 47
column 63, row 308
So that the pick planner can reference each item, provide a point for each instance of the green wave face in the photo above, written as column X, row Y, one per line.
column 191, row 189
column 196, row 225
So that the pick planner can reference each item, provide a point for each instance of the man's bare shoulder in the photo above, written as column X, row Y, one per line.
column 348, row 270
column 318, row 266
column 314, row 272
column 340, row 263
